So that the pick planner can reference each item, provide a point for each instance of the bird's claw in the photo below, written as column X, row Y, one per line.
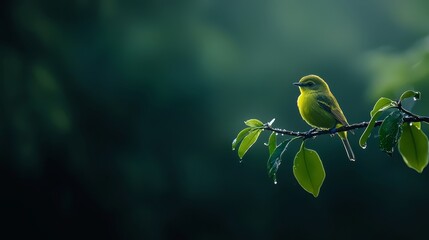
column 332, row 131
column 309, row 132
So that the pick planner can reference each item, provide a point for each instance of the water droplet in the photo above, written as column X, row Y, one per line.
column 277, row 133
column 275, row 181
column 415, row 99
column 364, row 146
column 282, row 134
column 241, row 160
column 411, row 124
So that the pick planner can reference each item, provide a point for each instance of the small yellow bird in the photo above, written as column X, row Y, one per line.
column 319, row 108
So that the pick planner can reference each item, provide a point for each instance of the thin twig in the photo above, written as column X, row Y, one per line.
column 408, row 112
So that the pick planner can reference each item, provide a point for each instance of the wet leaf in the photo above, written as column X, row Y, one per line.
column 410, row 94
column 240, row 137
column 254, row 123
column 368, row 129
column 272, row 143
column 413, row 146
column 308, row 170
column 380, row 104
column 276, row 158
column 417, row 124
column 248, row 141
column 390, row 131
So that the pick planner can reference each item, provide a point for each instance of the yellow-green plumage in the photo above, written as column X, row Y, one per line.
column 320, row 109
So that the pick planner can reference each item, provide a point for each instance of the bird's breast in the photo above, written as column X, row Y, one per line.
column 313, row 113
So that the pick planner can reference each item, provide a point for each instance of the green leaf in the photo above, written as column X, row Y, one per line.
column 410, row 93
column 380, row 104
column 368, row 129
column 413, row 146
column 248, row 141
column 254, row 123
column 276, row 158
column 418, row 125
column 390, row 130
column 308, row 170
column 240, row 137
column 272, row 143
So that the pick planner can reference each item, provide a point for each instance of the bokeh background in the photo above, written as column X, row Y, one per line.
column 117, row 118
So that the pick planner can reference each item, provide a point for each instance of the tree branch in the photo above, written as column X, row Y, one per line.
column 316, row 132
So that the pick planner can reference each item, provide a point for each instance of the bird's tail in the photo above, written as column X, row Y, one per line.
column 348, row 148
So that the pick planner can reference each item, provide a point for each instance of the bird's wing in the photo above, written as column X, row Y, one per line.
column 330, row 104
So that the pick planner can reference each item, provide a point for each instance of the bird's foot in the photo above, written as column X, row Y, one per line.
column 309, row 132
column 332, row 131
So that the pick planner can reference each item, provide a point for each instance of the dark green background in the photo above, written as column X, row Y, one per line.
column 117, row 118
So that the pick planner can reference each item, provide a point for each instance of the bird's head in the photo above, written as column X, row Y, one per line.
column 312, row 83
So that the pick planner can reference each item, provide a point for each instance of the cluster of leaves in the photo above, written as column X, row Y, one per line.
column 307, row 166
column 412, row 142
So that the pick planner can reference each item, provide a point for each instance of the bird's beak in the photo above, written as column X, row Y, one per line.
column 297, row 84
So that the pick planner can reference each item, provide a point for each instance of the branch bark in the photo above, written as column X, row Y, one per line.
column 316, row 132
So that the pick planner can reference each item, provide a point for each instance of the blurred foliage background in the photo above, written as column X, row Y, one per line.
column 117, row 117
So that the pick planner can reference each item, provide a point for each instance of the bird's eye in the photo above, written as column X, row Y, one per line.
column 310, row 84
